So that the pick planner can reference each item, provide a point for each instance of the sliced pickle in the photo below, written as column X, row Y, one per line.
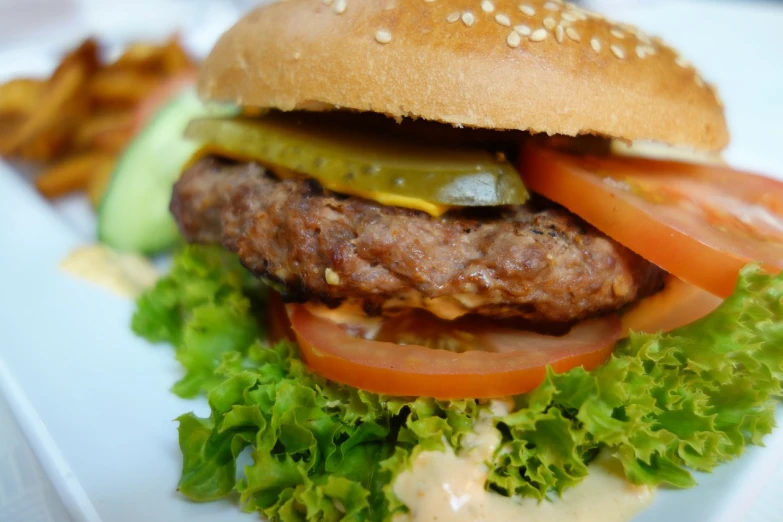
column 384, row 168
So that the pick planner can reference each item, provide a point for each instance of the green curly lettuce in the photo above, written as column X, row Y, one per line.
column 319, row 449
column 664, row 405
column 205, row 307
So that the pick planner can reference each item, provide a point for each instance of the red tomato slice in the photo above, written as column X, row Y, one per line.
column 277, row 324
column 700, row 223
column 512, row 361
column 678, row 304
column 150, row 106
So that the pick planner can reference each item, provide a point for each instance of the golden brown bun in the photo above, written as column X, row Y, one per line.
column 466, row 62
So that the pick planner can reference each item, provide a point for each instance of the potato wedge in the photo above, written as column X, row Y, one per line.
column 78, row 121
column 20, row 96
column 93, row 131
column 165, row 60
column 121, row 87
column 99, row 182
column 175, row 59
column 71, row 174
column 57, row 99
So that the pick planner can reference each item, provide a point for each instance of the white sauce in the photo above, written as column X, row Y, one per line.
column 442, row 486
column 124, row 274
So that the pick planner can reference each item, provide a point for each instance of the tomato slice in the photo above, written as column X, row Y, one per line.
column 701, row 223
column 511, row 361
column 278, row 327
column 150, row 106
column 678, row 304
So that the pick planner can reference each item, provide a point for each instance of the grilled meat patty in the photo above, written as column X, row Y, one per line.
column 540, row 263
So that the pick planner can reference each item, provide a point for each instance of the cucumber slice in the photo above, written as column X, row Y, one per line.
column 134, row 214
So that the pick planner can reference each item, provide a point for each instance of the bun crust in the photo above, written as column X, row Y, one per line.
column 541, row 66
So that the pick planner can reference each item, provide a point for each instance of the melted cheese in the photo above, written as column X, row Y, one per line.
column 384, row 198
column 126, row 275
column 442, row 486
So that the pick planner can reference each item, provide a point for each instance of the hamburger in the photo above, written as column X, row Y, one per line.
column 479, row 307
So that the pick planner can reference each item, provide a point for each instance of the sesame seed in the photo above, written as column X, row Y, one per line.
column 453, row 17
column 595, row 43
column 340, row 6
column 383, row 36
column 572, row 34
column 538, row 35
column 332, row 277
column 527, row 10
column 640, row 51
column 513, row 39
column 579, row 15
column 549, row 23
column 559, row 33
column 487, row 6
column 523, row 29
column 650, row 50
column 575, row 9
column 643, row 37
column 698, row 80
column 428, row 1
column 681, row 62
column 468, row 19
column 551, row 6
column 617, row 51
column 617, row 33
column 327, row 2
column 503, row 20
column 569, row 16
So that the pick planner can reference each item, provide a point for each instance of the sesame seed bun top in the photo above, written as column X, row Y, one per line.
column 537, row 65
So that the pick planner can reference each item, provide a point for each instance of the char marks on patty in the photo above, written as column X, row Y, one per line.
column 537, row 261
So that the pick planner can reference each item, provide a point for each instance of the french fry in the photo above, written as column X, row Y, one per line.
column 139, row 56
column 167, row 59
column 71, row 174
column 80, row 120
column 175, row 59
column 86, row 56
column 58, row 96
column 8, row 127
column 115, row 141
column 99, row 182
column 20, row 96
column 121, row 87
column 93, row 132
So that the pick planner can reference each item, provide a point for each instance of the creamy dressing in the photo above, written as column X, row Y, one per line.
column 447, row 307
column 441, row 485
column 349, row 315
column 124, row 274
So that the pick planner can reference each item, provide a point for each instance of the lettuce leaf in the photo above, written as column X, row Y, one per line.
column 205, row 307
column 320, row 451
column 663, row 404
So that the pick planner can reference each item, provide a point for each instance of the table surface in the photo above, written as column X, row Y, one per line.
column 735, row 45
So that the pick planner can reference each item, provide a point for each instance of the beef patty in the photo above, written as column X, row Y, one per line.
column 537, row 262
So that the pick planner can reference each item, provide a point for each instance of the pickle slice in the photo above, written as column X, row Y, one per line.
column 384, row 168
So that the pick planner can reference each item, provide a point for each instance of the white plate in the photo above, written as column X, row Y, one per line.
column 93, row 400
